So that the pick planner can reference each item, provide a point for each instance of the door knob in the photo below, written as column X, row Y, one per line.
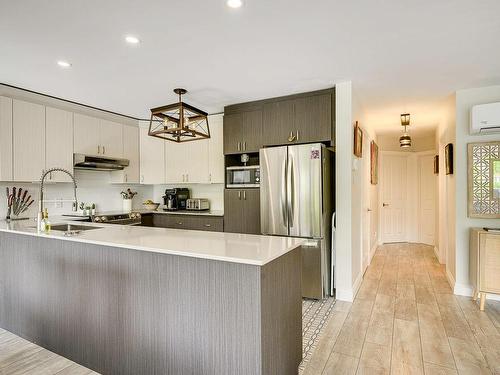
column 385, row 204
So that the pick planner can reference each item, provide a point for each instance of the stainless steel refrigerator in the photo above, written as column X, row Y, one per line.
column 296, row 197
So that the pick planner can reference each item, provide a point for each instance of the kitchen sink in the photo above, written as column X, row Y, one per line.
column 72, row 227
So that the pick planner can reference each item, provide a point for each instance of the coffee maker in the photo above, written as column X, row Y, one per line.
column 175, row 199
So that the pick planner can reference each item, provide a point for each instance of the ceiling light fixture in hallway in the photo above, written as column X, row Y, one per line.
column 405, row 139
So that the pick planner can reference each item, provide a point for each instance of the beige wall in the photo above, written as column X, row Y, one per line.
column 465, row 99
column 446, row 191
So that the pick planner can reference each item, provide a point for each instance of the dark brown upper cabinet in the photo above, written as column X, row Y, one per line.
column 242, row 132
column 299, row 118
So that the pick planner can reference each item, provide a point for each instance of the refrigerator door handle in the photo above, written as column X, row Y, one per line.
column 291, row 191
column 283, row 195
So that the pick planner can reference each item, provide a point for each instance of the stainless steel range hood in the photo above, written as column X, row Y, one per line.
column 98, row 163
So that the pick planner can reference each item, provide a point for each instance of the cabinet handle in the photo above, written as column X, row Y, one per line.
column 239, row 146
column 183, row 178
column 98, row 149
column 239, row 195
column 103, row 150
column 179, row 223
column 187, row 177
column 244, row 195
column 208, row 225
column 297, row 135
column 142, row 178
column 245, row 146
column 210, row 177
column 291, row 137
column 126, row 177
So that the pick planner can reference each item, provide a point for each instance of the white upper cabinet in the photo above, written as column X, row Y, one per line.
column 216, row 150
column 130, row 152
column 28, row 140
column 93, row 136
column 5, row 139
column 152, row 158
column 175, row 172
column 59, row 142
column 86, row 135
column 111, row 138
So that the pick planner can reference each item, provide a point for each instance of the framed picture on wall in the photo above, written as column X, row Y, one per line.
column 373, row 163
column 436, row 164
column 358, row 141
column 448, row 158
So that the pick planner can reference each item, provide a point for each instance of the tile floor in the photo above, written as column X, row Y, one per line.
column 405, row 320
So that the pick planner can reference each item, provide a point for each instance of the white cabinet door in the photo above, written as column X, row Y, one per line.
column 86, row 135
column 152, row 159
column 28, row 140
column 130, row 152
column 59, row 142
column 175, row 163
column 195, row 161
column 216, row 150
column 5, row 139
column 111, row 138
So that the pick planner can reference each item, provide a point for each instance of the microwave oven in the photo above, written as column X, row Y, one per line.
column 247, row 176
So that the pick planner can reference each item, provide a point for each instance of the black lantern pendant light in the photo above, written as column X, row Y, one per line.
column 405, row 139
column 179, row 122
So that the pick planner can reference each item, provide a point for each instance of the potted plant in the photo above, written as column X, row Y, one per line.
column 127, row 199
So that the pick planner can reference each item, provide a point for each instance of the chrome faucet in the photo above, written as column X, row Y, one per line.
column 42, row 179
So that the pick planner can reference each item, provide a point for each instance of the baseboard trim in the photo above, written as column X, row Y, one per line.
column 466, row 290
column 451, row 279
column 436, row 253
column 373, row 250
column 349, row 294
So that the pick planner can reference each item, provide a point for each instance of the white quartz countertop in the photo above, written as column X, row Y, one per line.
column 228, row 247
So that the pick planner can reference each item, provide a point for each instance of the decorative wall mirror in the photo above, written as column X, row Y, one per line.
column 484, row 179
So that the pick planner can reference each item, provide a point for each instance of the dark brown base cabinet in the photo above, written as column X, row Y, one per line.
column 300, row 118
column 190, row 222
column 242, row 211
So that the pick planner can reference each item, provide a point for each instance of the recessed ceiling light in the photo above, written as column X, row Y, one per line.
column 132, row 39
column 63, row 64
column 234, row 3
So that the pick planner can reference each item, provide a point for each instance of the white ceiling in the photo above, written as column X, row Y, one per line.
column 402, row 55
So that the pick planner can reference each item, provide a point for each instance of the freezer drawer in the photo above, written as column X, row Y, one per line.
column 315, row 258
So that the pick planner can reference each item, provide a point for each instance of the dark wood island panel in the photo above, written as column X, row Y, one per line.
column 123, row 311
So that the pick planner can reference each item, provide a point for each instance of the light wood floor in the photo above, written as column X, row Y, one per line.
column 405, row 320
column 18, row 356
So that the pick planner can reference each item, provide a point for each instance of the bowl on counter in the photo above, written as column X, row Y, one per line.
column 150, row 206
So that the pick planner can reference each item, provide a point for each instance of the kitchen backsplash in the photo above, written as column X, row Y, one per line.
column 97, row 187
column 92, row 187
column 213, row 192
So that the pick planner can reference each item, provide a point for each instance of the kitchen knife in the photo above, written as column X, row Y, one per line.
column 24, row 196
column 28, row 206
column 24, row 203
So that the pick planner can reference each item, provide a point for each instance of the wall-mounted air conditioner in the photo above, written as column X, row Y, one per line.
column 485, row 118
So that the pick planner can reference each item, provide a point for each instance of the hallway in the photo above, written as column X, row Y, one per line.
column 405, row 320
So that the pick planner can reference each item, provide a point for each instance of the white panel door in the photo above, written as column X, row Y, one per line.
column 59, row 142
column 5, row 139
column 111, row 138
column 152, row 158
column 28, row 121
column 216, row 150
column 393, row 197
column 86, row 135
column 427, row 214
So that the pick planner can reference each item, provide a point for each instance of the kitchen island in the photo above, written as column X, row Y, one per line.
column 137, row 300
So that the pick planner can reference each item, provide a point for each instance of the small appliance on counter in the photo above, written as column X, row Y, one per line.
column 175, row 199
column 198, row 204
